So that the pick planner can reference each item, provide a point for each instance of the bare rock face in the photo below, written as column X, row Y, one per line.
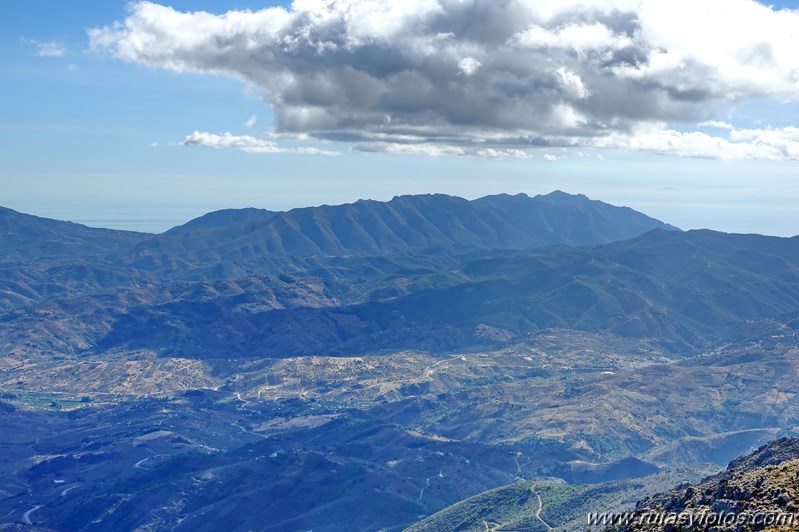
column 759, row 491
column 774, row 453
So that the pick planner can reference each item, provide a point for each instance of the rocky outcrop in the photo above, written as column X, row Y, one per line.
column 759, row 491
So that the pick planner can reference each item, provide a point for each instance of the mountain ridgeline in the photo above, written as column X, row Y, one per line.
column 428, row 272
column 364, row 366
column 417, row 223
column 237, row 241
column 43, row 258
column 688, row 290
column 25, row 238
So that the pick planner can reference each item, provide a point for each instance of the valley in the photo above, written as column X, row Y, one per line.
column 399, row 266
column 366, row 376
column 425, row 431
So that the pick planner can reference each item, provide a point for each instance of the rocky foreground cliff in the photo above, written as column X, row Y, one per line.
column 759, row 491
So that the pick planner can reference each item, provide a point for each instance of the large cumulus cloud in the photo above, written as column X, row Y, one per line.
column 472, row 76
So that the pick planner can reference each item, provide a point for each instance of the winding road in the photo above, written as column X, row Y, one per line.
column 138, row 465
column 244, row 402
column 67, row 490
column 264, row 436
column 421, row 493
column 427, row 484
column 540, row 507
column 26, row 517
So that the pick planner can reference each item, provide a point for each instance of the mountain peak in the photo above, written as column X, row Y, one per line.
column 431, row 223
column 560, row 194
column 224, row 217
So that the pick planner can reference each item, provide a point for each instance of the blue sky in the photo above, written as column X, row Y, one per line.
column 101, row 134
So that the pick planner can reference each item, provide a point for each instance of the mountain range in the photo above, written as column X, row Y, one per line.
column 437, row 273
column 370, row 364
column 41, row 258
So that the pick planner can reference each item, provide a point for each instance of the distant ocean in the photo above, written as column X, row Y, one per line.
column 144, row 218
column 144, row 225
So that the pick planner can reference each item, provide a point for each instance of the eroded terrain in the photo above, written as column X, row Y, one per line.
column 96, row 440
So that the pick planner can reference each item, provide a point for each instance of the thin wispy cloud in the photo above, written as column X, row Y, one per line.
column 46, row 49
column 421, row 76
column 51, row 49
column 775, row 144
column 248, row 144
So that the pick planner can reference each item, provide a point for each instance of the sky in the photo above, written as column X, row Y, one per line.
column 143, row 115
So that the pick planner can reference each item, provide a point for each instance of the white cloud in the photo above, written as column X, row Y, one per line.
column 716, row 124
column 433, row 150
column 581, row 38
column 247, row 144
column 776, row 144
column 502, row 154
column 421, row 75
column 572, row 83
column 437, row 150
column 251, row 122
column 46, row 49
column 51, row 49
column 468, row 65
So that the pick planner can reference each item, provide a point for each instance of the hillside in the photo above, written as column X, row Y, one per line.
column 42, row 258
column 26, row 238
column 355, row 247
column 250, row 240
column 103, row 282
column 542, row 506
column 687, row 290
column 760, row 491
column 179, row 381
